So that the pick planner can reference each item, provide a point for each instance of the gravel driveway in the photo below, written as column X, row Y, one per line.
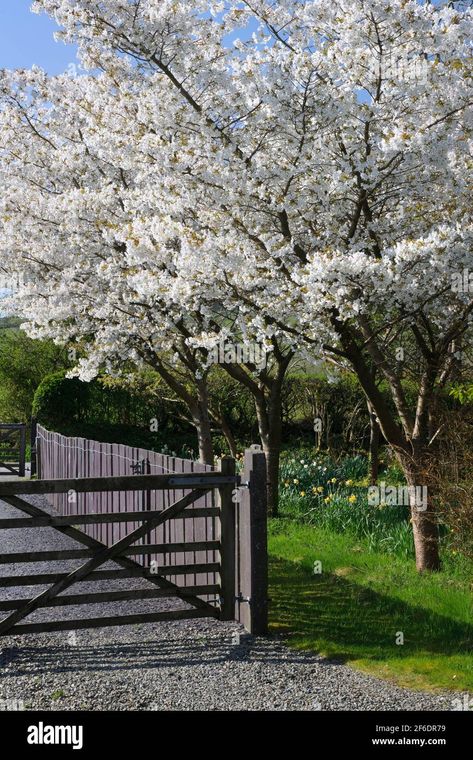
column 187, row 665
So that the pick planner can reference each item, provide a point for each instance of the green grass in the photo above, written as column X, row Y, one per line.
column 354, row 610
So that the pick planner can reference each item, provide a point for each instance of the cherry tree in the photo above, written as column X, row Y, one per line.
column 102, row 272
column 314, row 161
column 65, row 206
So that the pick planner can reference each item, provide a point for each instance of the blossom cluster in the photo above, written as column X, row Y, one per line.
column 233, row 169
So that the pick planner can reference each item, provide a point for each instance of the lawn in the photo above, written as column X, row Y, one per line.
column 356, row 609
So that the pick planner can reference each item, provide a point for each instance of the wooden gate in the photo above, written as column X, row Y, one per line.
column 240, row 591
column 12, row 449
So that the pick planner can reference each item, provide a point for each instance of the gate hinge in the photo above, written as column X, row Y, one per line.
column 240, row 599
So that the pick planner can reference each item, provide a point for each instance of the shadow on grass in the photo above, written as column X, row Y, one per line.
column 347, row 621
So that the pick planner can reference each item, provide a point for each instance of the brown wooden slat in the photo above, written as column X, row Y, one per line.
column 196, row 481
column 114, row 596
column 210, row 567
column 104, row 622
column 65, row 554
column 162, row 548
column 68, row 554
column 45, row 579
column 103, row 517
column 10, row 468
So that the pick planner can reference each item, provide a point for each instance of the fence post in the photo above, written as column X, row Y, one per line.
column 39, row 453
column 148, row 539
column 227, row 542
column 33, row 434
column 253, row 545
column 22, row 455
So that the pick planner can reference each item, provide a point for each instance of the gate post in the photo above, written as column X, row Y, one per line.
column 227, row 542
column 252, row 555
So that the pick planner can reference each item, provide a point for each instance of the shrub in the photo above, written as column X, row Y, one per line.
column 59, row 400
column 23, row 365
column 112, row 412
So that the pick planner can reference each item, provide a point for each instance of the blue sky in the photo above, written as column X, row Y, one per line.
column 27, row 39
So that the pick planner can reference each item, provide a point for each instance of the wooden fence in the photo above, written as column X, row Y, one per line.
column 59, row 457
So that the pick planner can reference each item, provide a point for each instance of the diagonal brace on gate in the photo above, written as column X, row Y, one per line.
column 104, row 554
column 125, row 562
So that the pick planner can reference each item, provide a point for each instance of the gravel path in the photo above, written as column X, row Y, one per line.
column 186, row 665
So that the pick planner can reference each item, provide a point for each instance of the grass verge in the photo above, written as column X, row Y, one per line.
column 356, row 609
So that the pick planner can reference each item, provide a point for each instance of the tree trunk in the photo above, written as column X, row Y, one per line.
column 267, row 394
column 204, row 438
column 222, row 422
column 198, row 403
column 426, row 540
column 201, row 420
column 423, row 518
column 229, row 437
column 269, row 414
column 409, row 439
column 272, row 450
column 374, row 447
